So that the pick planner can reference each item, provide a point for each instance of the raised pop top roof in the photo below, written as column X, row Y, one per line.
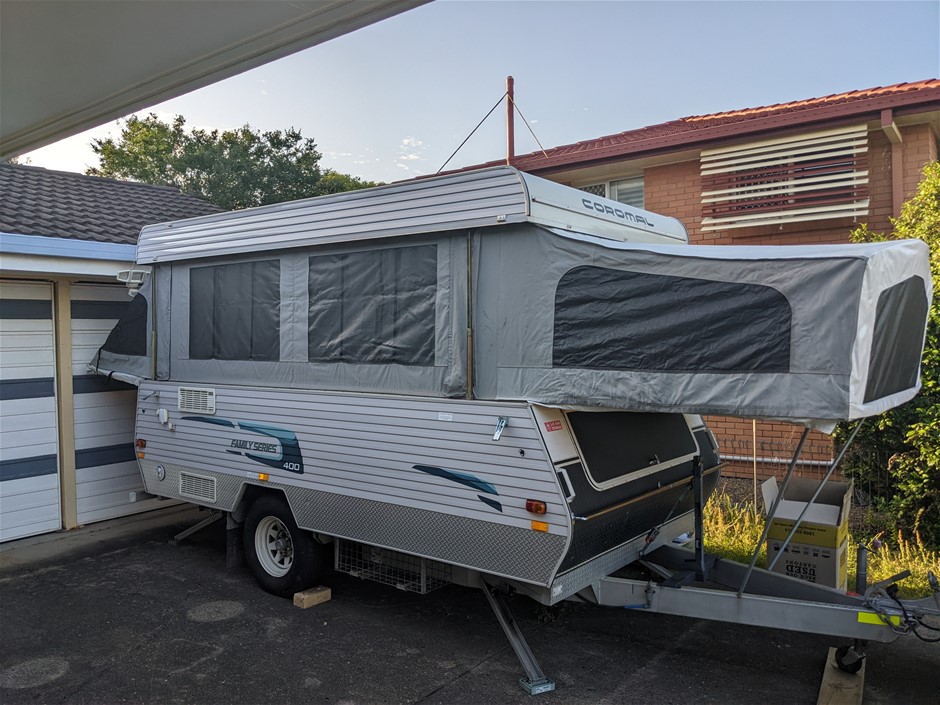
column 472, row 199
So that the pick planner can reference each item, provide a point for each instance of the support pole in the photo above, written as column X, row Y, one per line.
column 535, row 681
column 510, row 121
column 698, row 491
column 773, row 510
column 822, row 483
column 754, row 448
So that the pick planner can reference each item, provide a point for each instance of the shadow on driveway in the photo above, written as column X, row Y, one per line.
column 119, row 615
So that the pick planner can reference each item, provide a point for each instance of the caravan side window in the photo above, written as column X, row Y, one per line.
column 607, row 319
column 234, row 311
column 376, row 306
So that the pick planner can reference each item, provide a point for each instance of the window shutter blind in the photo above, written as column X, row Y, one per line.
column 797, row 178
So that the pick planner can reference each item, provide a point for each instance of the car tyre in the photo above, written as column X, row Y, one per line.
column 283, row 558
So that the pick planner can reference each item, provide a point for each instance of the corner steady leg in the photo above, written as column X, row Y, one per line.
column 214, row 516
column 535, row 681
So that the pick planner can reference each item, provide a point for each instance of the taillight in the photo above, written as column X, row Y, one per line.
column 536, row 506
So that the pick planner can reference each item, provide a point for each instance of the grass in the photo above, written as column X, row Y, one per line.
column 732, row 529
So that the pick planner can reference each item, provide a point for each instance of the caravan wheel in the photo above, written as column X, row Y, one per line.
column 283, row 558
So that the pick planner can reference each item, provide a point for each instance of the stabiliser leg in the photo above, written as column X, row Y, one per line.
column 535, row 681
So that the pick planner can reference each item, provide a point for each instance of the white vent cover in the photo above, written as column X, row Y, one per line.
column 198, row 399
column 197, row 487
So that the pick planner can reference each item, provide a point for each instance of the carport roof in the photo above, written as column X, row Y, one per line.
column 36, row 201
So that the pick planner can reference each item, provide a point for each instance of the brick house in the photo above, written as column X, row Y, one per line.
column 807, row 171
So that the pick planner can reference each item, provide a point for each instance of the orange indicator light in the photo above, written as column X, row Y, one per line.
column 539, row 526
column 536, row 506
column 140, row 455
column 263, row 476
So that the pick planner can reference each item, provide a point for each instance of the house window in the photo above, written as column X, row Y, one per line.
column 234, row 311
column 798, row 178
column 627, row 191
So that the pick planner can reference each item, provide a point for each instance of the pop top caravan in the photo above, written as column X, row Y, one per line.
column 494, row 380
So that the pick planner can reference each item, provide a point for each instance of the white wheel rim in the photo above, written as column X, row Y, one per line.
column 274, row 547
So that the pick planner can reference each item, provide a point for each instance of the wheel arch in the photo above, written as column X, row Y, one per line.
column 250, row 493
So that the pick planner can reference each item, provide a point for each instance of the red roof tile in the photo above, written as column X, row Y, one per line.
column 694, row 130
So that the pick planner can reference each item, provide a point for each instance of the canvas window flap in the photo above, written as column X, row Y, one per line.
column 125, row 354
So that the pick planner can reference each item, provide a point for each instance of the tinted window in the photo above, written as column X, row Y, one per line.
column 610, row 319
column 234, row 311
column 376, row 306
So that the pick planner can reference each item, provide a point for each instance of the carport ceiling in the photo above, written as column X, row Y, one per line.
column 69, row 65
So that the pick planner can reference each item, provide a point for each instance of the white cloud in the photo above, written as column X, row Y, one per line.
column 411, row 149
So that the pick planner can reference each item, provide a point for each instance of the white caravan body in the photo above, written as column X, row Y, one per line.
column 491, row 371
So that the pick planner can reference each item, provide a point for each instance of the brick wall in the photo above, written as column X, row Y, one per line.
column 675, row 190
column 919, row 147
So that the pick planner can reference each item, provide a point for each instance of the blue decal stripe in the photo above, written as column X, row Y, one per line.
column 207, row 419
column 290, row 458
column 492, row 502
column 462, row 478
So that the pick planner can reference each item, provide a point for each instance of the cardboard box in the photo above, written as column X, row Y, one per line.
column 814, row 564
column 826, row 522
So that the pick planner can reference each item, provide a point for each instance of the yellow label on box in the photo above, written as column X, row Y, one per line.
column 809, row 533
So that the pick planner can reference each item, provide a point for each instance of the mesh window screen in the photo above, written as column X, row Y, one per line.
column 897, row 340
column 596, row 189
column 234, row 311
column 376, row 306
column 610, row 319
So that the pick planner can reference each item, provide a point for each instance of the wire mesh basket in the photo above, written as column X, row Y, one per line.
column 405, row 572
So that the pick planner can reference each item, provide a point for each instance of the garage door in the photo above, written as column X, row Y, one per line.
column 29, row 475
column 109, row 482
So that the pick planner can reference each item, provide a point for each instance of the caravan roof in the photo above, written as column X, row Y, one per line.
column 488, row 197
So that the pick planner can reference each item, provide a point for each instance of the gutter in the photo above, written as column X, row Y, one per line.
column 43, row 246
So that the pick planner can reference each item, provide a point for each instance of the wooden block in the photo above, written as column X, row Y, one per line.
column 839, row 687
column 311, row 597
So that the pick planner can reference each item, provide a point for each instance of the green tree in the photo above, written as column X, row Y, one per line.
column 908, row 437
column 232, row 168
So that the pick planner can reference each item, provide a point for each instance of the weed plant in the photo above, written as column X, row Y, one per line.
column 732, row 529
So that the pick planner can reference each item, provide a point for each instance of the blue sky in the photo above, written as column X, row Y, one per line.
column 395, row 99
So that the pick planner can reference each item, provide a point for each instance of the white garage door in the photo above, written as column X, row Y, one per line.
column 109, row 482
column 29, row 469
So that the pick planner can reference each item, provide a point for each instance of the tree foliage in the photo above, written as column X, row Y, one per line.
column 907, row 438
column 232, row 168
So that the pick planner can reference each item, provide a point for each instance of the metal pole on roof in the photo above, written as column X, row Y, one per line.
column 510, row 122
column 822, row 483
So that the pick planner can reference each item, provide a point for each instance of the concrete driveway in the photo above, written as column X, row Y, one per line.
column 115, row 614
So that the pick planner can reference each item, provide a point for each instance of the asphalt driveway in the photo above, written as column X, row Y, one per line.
column 115, row 614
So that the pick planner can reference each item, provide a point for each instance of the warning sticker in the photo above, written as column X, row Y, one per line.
column 553, row 426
